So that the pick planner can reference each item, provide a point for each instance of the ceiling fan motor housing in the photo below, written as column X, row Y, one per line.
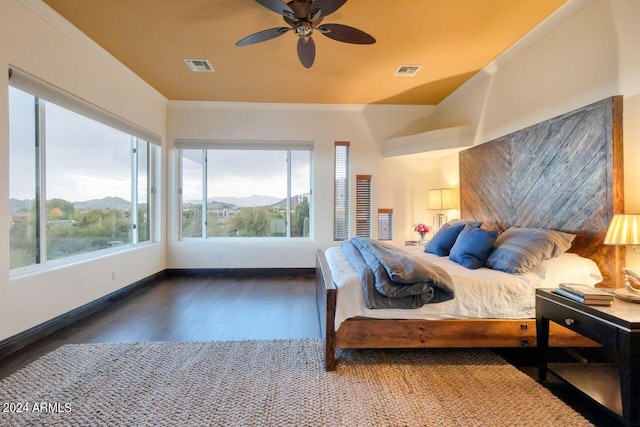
column 303, row 29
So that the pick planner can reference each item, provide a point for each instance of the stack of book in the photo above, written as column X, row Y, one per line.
column 584, row 294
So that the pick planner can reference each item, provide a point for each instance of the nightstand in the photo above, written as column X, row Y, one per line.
column 614, row 386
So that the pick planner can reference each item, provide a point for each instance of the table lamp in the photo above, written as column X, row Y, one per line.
column 440, row 199
column 624, row 229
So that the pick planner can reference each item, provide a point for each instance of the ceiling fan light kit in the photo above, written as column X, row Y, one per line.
column 304, row 17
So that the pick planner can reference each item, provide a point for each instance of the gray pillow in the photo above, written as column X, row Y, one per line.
column 453, row 222
column 519, row 250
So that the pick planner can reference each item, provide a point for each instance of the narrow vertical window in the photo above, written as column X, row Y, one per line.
column 363, row 205
column 385, row 224
column 341, row 190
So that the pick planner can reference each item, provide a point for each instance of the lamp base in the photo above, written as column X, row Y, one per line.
column 438, row 221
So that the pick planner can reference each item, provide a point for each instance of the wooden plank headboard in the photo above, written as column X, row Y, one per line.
column 565, row 174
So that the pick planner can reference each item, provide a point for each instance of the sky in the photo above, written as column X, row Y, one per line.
column 87, row 160
column 241, row 173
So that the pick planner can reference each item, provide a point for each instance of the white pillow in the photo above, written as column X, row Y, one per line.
column 569, row 268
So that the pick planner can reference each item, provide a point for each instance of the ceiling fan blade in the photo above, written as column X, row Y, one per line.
column 277, row 6
column 346, row 34
column 306, row 51
column 327, row 6
column 289, row 21
column 262, row 36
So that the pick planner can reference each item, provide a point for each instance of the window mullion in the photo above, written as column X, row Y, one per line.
column 41, row 193
column 134, row 190
column 151, row 191
column 181, row 194
column 204, row 194
column 288, row 193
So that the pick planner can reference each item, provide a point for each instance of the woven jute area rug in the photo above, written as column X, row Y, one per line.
column 273, row 383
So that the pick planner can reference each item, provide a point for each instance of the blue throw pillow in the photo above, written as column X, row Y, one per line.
column 473, row 246
column 519, row 250
column 443, row 241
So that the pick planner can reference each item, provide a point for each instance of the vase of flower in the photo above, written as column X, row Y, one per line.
column 422, row 230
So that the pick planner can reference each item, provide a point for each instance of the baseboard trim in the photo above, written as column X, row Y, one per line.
column 23, row 339
column 238, row 271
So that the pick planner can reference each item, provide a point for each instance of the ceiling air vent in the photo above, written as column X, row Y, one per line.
column 407, row 70
column 199, row 65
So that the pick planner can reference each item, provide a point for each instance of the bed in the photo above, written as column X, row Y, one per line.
column 563, row 174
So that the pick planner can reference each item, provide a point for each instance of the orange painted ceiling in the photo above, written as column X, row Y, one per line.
column 451, row 39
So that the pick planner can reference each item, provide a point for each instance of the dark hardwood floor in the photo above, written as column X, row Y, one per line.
column 194, row 308
column 238, row 306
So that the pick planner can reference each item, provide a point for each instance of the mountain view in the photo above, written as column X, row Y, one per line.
column 16, row 205
column 248, row 201
column 79, row 227
column 254, row 200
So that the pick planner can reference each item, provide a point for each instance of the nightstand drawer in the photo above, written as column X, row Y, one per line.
column 590, row 327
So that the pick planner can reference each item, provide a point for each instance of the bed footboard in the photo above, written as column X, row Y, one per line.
column 326, row 299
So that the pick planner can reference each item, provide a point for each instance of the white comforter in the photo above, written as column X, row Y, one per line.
column 482, row 293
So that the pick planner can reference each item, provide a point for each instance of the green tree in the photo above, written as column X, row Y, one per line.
column 192, row 221
column 300, row 218
column 67, row 208
column 251, row 222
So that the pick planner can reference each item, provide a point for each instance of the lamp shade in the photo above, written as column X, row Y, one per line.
column 448, row 198
column 624, row 230
column 441, row 198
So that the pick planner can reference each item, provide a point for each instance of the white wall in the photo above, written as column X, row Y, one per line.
column 399, row 183
column 37, row 40
column 592, row 55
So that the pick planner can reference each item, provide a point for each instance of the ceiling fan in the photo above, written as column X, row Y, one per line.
column 304, row 17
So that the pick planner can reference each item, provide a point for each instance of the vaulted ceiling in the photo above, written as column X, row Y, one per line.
column 450, row 39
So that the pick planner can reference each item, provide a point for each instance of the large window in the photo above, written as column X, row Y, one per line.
column 246, row 191
column 76, row 185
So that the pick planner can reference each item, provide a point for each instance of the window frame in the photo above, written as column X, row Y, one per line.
column 256, row 146
column 33, row 87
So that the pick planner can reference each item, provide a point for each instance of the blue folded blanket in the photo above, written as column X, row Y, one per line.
column 391, row 279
